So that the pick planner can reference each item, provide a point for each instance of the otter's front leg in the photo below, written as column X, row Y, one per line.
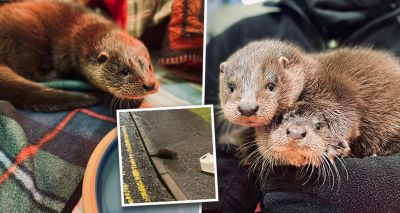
column 29, row 95
column 339, row 149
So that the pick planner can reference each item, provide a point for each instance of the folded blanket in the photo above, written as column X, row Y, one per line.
column 373, row 185
column 183, row 46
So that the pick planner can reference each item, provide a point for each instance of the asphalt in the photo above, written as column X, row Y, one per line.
column 140, row 180
column 187, row 134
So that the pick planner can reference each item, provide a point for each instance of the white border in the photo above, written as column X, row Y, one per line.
column 203, row 89
column 169, row 202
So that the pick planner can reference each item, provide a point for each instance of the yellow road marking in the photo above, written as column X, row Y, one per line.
column 127, row 194
column 135, row 171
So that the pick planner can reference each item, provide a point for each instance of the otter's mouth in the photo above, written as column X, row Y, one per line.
column 252, row 121
column 131, row 97
column 135, row 92
column 296, row 156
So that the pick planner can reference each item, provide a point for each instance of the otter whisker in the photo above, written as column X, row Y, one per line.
column 332, row 165
column 265, row 176
column 312, row 171
column 319, row 174
column 263, row 166
column 246, row 146
column 254, row 152
column 253, row 167
column 302, row 168
column 257, row 161
column 114, row 97
column 266, row 167
column 122, row 103
column 345, row 169
column 111, row 104
column 323, row 171
column 331, row 171
column 115, row 101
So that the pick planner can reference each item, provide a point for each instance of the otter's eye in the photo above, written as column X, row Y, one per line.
column 231, row 87
column 280, row 119
column 318, row 126
column 271, row 87
column 125, row 72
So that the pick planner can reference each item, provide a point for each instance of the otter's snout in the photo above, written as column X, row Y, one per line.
column 248, row 111
column 296, row 132
column 149, row 87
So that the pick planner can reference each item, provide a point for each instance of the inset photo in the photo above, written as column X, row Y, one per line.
column 167, row 155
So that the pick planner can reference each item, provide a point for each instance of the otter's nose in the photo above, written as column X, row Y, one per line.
column 248, row 111
column 149, row 87
column 296, row 132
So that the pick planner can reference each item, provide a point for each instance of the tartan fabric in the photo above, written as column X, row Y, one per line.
column 43, row 156
column 135, row 16
column 183, row 47
column 144, row 14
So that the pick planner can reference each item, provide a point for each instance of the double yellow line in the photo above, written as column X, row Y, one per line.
column 135, row 171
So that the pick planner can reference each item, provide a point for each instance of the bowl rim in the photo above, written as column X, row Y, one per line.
column 89, row 186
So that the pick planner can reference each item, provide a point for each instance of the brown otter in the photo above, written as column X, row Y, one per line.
column 257, row 82
column 299, row 137
column 356, row 90
column 40, row 41
column 165, row 153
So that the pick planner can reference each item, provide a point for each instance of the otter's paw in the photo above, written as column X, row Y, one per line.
column 65, row 101
column 333, row 152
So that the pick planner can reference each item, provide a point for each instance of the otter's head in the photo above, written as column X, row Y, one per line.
column 260, row 80
column 297, row 139
column 121, row 65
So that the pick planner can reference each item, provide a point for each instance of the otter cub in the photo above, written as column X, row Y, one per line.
column 40, row 41
column 165, row 153
column 355, row 89
column 298, row 138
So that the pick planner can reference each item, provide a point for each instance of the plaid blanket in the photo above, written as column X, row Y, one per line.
column 43, row 155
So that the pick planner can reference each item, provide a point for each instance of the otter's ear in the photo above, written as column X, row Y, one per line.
column 102, row 57
column 283, row 61
column 222, row 67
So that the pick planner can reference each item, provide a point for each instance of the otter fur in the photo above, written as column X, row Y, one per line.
column 41, row 41
column 355, row 89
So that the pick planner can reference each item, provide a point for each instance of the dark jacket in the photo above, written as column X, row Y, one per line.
column 315, row 25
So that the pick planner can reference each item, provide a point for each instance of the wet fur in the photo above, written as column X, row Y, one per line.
column 41, row 41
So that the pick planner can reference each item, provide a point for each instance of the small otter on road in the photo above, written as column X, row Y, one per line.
column 46, row 40
column 355, row 89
